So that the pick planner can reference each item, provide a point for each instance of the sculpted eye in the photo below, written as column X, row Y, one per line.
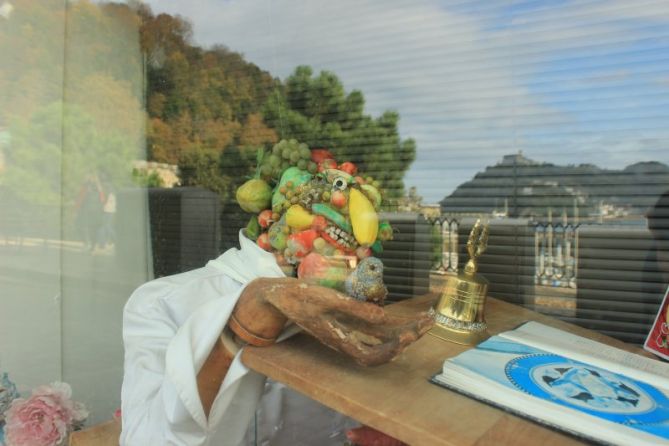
column 339, row 183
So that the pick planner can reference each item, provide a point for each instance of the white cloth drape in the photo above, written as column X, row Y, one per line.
column 169, row 328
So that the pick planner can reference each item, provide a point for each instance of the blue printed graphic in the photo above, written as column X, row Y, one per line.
column 573, row 384
column 589, row 389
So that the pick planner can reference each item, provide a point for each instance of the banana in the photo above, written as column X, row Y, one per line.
column 364, row 219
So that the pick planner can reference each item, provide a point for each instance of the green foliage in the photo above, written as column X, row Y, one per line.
column 205, row 168
column 143, row 178
column 67, row 125
column 208, row 110
column 316, row 110
column 53, row 153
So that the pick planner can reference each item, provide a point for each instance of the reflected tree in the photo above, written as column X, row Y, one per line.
column 318, row 111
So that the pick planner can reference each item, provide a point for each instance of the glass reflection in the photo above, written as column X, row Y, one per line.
column 125, row 129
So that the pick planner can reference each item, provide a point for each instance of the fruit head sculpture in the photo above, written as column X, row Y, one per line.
column 320, row 218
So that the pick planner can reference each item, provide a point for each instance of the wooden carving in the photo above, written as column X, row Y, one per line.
column 359, row 329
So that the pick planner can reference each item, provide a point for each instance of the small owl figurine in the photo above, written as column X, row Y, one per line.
column 366, row 281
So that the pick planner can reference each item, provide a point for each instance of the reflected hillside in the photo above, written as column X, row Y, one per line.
column 521, row 187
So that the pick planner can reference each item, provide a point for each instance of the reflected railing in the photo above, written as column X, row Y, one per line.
column 555, row 251
column 445, row 244
column 556, row 254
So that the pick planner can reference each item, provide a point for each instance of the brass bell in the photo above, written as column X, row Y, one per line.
column 459, row 312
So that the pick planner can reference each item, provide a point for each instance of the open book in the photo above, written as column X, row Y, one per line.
column 568, row 382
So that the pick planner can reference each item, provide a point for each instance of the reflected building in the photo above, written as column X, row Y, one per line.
column 584, row 193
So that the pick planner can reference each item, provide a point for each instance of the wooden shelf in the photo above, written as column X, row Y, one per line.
column 397, row 398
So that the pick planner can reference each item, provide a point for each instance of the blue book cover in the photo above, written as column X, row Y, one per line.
column 559, row 382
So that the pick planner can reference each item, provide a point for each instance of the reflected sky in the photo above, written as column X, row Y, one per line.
column 567, row 82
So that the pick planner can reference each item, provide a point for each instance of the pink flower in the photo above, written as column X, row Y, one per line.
column 45, row 418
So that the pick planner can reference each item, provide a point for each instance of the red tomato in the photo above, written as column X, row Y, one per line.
column 313, row 265
column 263, row 241
column 318, row 155
column 338, row 199
column 301, row 243
column 265, row 218
column 348, row 167
column 319, row 223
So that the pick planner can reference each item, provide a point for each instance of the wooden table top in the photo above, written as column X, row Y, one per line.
column 397, row 397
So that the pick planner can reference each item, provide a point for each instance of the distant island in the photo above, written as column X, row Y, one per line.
column 523, row 188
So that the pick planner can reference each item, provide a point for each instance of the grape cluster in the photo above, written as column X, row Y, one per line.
column 285, row 154
column 312, row 192
column 315, row 191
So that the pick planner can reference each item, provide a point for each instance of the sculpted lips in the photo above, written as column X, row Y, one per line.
column 339, row 238
column 335, row 217
column 338, row 233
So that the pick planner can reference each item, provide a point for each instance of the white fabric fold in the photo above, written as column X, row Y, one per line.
column 243, row 265
column 169, row 328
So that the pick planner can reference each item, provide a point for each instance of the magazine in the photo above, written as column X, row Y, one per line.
column 568, row 382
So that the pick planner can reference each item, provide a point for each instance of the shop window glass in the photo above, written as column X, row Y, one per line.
column 126, row 128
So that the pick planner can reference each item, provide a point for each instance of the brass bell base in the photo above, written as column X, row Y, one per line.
column 459, row 312
column 463, row 337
